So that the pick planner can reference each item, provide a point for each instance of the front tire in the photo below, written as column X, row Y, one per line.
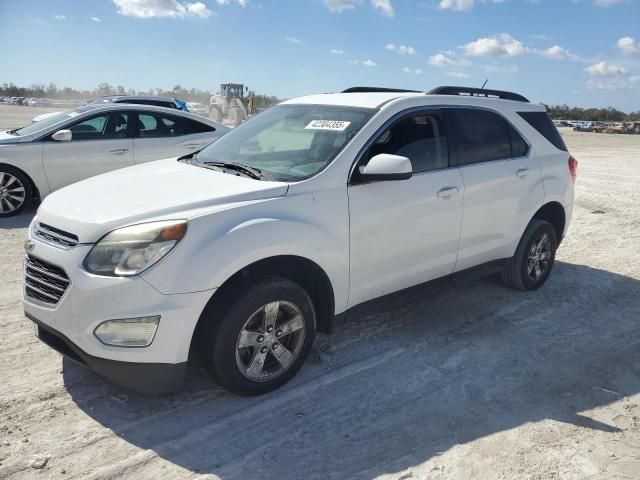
column 258, row 339
column 15, row 191
column 535, row 256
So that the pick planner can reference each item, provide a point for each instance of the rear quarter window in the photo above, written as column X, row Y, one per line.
column 545, row 127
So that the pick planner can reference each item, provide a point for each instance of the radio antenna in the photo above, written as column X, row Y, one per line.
column 484, row 84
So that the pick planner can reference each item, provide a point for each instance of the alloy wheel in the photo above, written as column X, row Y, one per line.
column 539, row 257
column 12, row 193
column 270, row 341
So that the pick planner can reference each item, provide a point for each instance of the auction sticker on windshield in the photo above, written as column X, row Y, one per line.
column 333, row 125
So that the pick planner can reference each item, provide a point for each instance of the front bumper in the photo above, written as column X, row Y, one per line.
column 89, row 300
column 145, row 378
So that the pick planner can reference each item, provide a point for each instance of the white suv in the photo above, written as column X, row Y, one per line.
column 314, row 207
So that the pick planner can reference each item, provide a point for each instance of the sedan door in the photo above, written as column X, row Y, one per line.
column 406, row 232
column 99, row 144
column 161, row 135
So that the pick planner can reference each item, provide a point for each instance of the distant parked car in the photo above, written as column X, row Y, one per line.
column 165, row 102
column 198, row 108
column 89, row 140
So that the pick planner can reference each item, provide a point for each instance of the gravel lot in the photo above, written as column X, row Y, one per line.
column 478, row 382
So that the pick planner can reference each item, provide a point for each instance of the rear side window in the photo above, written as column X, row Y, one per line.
column 191, row 126
column 544, row 125
column 483, row 136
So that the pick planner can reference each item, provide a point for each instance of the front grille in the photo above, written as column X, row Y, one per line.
column 44, row 282
column 55, row 236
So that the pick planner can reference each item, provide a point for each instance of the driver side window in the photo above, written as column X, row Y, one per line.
column 101, row 127
column 421, row 137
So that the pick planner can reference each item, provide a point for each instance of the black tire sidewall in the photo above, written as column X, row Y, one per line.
column 221, row 348
column 28, row 191
column 536, row 230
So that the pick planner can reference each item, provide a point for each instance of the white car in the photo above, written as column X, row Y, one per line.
column 71, row 146
column 317, row 207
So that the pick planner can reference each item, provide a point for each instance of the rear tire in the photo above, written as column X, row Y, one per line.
column 15, row 191
column 531, row 265
column 259, row 335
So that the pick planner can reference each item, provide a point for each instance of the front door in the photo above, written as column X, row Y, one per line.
column 406, row 232
column 99, row 144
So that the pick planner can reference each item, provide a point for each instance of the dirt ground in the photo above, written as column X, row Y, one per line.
column 478, row 382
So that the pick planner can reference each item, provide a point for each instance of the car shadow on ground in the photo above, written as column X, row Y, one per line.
column 19, row 221
column 392, row 390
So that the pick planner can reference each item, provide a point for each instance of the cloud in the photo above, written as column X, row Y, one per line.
column 401, row 49
column 367, row 63
column 95, row 19
column 557, row 53
column 615, row 83
column 462, row 5
column 293, row 40
column 458, row 74
column 60, row 17
column 604, row 69
column 500, row 45
column 337, row 51
column 384, row 6
column 629, row 46
column 412, row 71
column 448, row 59
column 242, row 3
column 339, row 6
column 163, row 8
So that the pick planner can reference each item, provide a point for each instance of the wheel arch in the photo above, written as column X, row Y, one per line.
column 554, row 213
column 303, row 271
column 34, row 188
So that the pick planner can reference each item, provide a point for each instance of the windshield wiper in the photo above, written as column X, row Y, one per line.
column 252, row 172
column 13, row 132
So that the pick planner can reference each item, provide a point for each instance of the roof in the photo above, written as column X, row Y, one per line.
column 362, row 100
column 378, row 99
column 110, row 98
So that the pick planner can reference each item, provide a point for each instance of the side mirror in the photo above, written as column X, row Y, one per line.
column 386, row 167
column 62, row 136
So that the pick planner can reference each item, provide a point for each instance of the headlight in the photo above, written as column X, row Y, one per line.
column 129, row 332
column 131, row 250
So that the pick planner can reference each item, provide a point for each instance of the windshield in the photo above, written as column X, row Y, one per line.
column 289, row 142
column 50, row 121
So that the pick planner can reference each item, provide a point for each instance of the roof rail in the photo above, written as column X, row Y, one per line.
column 477, row 92
column 378, row 90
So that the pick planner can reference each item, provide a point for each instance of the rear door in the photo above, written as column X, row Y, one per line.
column 160, row 135
column 502, row 184
column 99, row 144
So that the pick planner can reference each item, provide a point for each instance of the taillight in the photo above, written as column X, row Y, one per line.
column 573, row 168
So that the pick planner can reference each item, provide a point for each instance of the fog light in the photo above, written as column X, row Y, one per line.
column 128, row 332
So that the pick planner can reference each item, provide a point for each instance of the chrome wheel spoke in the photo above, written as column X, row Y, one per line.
column 257, row 364
column 250, row 339
column 292, row 325
column 283, row 355
column 271, row 315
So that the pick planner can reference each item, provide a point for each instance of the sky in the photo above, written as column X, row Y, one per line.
column 580, row 52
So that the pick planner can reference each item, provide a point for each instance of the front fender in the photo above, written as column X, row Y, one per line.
column 209, row 259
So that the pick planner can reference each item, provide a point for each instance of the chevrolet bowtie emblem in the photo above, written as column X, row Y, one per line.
column 28, row 246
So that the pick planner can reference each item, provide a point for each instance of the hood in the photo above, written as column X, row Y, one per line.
column 8, row 138
column 164, row 189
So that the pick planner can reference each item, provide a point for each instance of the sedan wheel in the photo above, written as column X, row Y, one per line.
column 14, row 193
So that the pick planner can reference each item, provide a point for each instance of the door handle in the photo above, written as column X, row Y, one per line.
column 522, row 172
column 446, row 192
column 119, row 151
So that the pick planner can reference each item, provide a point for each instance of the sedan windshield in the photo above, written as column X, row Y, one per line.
column 288, row 142
column 51, row 121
